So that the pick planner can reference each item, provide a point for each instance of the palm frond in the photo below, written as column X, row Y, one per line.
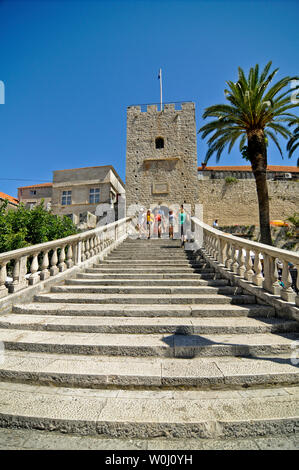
column 253, row 104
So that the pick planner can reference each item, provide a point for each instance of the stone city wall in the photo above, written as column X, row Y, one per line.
column 236, row 203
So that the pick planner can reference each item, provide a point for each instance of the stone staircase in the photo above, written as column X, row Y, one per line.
column 149, row 343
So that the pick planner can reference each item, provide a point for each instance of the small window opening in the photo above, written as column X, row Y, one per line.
column 159, row 143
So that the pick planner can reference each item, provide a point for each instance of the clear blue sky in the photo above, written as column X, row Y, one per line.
column 71, row 68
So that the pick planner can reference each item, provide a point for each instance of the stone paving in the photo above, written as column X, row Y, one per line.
column 22, row 439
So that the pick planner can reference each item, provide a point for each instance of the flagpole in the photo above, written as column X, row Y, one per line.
column 160, row 75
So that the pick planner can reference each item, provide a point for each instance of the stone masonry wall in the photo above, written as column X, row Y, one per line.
column 236, row 203
column 150, row 170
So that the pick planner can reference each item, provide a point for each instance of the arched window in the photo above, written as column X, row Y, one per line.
column 159, row 143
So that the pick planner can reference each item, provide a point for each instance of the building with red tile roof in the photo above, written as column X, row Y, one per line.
column 12, row 201
column 35, row 193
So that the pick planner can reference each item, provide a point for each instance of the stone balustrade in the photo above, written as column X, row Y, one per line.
column 30, row 265
column 254, row 262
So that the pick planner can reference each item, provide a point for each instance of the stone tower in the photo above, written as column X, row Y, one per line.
column 161, row 164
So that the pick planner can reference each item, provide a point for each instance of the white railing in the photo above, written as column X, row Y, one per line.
column 255, row 262
column 30, row 265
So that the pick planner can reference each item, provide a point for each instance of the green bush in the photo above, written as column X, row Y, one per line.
column 231, row 180
column 294, row 219
column 24, row 227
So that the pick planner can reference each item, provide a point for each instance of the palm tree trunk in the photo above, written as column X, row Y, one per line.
column 257, row 153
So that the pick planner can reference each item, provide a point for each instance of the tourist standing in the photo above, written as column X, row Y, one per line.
column 148, row 223
column 158, row 220
column 182, row 223
column 171, row 224
column 215, row 223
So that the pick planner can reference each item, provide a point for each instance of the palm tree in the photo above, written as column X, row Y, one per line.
column 293, row 142
column 255, row 114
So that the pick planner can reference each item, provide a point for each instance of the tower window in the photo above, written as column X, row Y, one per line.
column 159, row 143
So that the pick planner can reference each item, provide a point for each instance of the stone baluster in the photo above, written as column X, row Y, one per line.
column 19, row 272
column 3, row 275
column 223, row 251
column 92, row 253
column 206, row 242
column 45, row 273
column 98, row 244
column 211, row 251
column 78, row 253
column 249, row 273
column 62, row 265
column 229, row 260
column 54, row 260
column 34, row 276
column 95, row 244
column 69, row 257
column 87, row 247
column 241, row 263
column 257, row 279
column 287, row 292
column 211, row 245
column 216, row 249
column 83, row 250
column 234, row 265
column 271, row 282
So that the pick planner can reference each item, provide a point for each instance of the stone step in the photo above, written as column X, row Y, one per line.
column 152, row 343
column 100, row 371
column 153, row 311
column 159, row 276
column 158, row 243
column 139, row 345
column 98, row 281
column 119, row 289
column 149, row 270
column 168, row 251
column 67, row 297
column 147, row 262
column 143, row 325
column 151, row 414
column 149, row 255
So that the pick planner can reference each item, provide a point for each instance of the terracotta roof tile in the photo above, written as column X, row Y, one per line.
column 42, row 185
column 278, row 168
column 9, row 198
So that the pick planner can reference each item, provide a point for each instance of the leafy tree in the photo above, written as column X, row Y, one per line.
column 255, row 114
column 23, row 227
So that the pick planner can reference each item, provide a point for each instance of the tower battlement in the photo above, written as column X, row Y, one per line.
column 155, row 107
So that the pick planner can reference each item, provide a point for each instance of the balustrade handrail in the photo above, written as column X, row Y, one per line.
column 39, row 247
column 45, row 260
column 263, row 271
column 255, row 246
